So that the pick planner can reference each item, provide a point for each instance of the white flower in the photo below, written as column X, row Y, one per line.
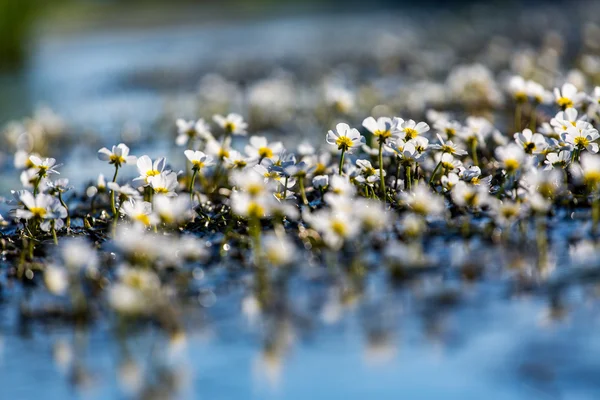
column 421, row 200
column 140, row 212
column 448, row 147
column 335, row 226
column 246, row 205
column 472, row 196
column 380, row 128
column 164, row 183
column 147, row 168
column 118, row 156
column 345, row 138
column 189, row 130
column 512, row 157
column 259, row 148
column 537, row 93
column 407, row 130
column 568, row 96
column 236, row 160
column 532, row 143
column 582, row 139
column 35, row 207
column 198, row 159
column 78, row 254
column 172, row 210
column 43, row 167
column 124, row 192
column 517, row 87
column 231, row 124
column 558, row 160
column 278, row 250
column 320, row 182
column 590, row 170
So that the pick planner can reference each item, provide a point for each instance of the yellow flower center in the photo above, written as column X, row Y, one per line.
column 529, row 147
column 339, row 228
column 223, row 153
column 38, row 211
column 240, row 163
column 511, row 165
column 198, row 164
column 592, row 179
column 581, row 141
column 450, row 132
column 475, row 180
column 143, row 218
column 564, row 102
column 152, row 172
column 161, row 190
column 382, row 135
column 255, row 189
column 410, row 133
column 265, row 152
column 520, row 97
column 229, row 127
column 343, row 143
column 116, row 159
column 255, row 210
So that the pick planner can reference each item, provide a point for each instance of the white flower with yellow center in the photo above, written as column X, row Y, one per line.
column 147, row 168
column 447, row 146
column 198, row 159
column 260, row 148
column 558, row 160
column 565, row 119
column 140, row 212
column 232, row 124
column 237, row 160
column 588, row 171
column 335, row 227
column 38, row 206
column 568, row 96
column 381, row 127
column 246, row 205
column 471, row 196
column 512, row 157
column 421, row 200
column 345, row 138
column 582, row 139
column 250, row 182
column 532, row 143
column 164, row 183
column 517, row 88
column 407, row 130
column 190, row 130
column 278, row 250
column 219, row 150
column 43, row 166
column 538, row 93
column 172, row 210
column 118, row 156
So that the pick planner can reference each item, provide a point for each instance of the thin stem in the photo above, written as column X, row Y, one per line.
column 302, row 191
column 285, row 185
column 112, row 194
column 533, row 117
column 474, row 152
column 435, row 170
column 381, row 178
column 397, row 173
column 54, row 233
column 342, row 161
column 595, row 213
column 62, row 203
column 408, row 179
column 518, row 117
column 192, row 182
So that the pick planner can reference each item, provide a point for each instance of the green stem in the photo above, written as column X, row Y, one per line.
column 302, row 191
column 435, row 170
column 285, row 185
column 342, row 161
column 54, row 233
column 192, row 182
column 408, row 179
column 62, row 203
column 112, row 194
column 381, row 178
column 474, row 152
column 533, row 117
column 595, row 213
column 518, row 117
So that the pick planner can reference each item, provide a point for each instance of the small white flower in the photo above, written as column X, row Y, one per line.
column 231, row 124
column 140, row 212
column 532, row 143
column 147, row 168
column 260, row 148
column 345, row 138
column 190, row 130
column 118, row 156
column 198, row 159
column 568, row 96
column 164, row 183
